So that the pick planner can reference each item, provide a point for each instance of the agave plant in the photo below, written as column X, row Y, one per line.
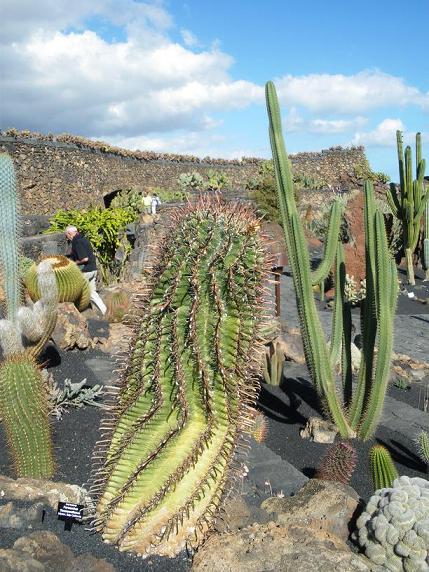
column 186, row 395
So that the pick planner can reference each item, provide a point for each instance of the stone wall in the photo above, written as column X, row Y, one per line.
column 56, row 174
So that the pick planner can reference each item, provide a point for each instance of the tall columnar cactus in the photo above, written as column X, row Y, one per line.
column 383, row 469
column 23, row 333
column 187, row 391
column 356, row 413
column 426, row 240
column 408, row 203
column 72, row 286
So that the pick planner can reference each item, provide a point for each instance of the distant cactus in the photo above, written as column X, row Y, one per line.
column 408, row 202
column 259, row 427
column 117, row 303
column 338, row 463
column 423, row 446
column 187, row 394
column 393, row 529
column 383, row 470
column 72, row 286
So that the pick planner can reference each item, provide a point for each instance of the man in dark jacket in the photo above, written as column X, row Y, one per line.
column 83, row 254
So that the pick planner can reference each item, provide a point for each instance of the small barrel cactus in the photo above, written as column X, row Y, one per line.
column 72, row 286
column 338, row 463
column 117, row 303
column 394, row 528
column 423, row 446
column 383, row 469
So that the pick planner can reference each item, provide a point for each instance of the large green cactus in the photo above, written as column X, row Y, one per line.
column 72, row 286
column 409, row 202
column 187, row 392
column 23, row 333
column 358, row 413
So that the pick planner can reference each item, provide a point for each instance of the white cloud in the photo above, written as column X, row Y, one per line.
column 384, row 135
column 189, row 38
column 348, row 94
column 294, row 122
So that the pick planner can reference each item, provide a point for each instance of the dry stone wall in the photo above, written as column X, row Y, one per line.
column 57, row 174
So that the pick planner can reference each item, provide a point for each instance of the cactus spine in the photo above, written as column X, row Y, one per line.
column 358, row 413
column 408, row 204
column 383, row 470
column 426, row 240
column 23, row 333
column 187, row 391
column 72, row 286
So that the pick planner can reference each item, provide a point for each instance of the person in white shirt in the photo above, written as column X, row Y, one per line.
column 155, row 202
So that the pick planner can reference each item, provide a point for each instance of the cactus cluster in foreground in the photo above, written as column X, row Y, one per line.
column 24, row 400
column 187, row 392
column 393, row 529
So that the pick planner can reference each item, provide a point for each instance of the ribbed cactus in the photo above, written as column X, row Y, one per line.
column 426, row 240
column 187, row 391
column 24, row 407
column 273, row 364
column 338, row 463
column 358, row 413
column 408, row 204
column 23, row 333
column 423, row 446
column 383, row 470
column 72, row 286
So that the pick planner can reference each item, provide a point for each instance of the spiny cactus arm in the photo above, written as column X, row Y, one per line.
column 315, row 349
column 423, row 445
column 383, row 470
column 386, row 290
column 368, row 313
column 331, row 241
column 426, row 239
column 337, row 314
column 24, row 410
column 10, row 231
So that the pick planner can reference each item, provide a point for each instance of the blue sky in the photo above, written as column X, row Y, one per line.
column 188, row 77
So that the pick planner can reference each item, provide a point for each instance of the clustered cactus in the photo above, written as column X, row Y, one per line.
column 72, row 286
column 24, row 397
column 187, row 392
column 358, row 412
column 338, row 463
column 353, row 293
column 408, row 203
column 394, row 529
column 383, row 470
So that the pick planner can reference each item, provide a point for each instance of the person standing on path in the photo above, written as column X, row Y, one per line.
column 155, row 203
column 147, row 203
column 83, row 254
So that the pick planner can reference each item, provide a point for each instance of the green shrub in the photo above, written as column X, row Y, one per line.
column 104, row 228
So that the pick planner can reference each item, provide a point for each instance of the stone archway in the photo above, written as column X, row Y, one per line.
column 107, row 199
